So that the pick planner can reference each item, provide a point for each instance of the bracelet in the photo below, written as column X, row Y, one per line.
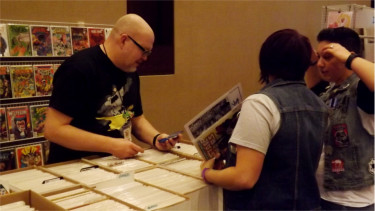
column 348, row 63
column 204, row 175
column 154, row 140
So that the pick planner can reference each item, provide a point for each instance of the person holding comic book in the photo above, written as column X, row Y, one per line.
column 346, row 168
column 96, row 100
column 276, row 144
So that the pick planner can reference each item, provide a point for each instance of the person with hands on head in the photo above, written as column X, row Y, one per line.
column 346, row 169
column 276, row 144
column 96, row 104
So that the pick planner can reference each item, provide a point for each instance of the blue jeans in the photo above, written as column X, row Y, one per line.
column 326, row 205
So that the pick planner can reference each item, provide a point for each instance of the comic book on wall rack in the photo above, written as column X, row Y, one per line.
column 107, row 31
column 96, row 36
column 5, row 82
column 4, row 45
column 80, row 38
column 7, row 159
column 19, row 40
column 38, row 118
column 43, row 75
column 211, row 129
column 61, row 41
column 41, row 40
column 22, row 79
column 29, row 155
column 19, row 124
column 3, row 125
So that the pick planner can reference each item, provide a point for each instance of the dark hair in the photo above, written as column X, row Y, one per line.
column 285, row 54
column 344, row 36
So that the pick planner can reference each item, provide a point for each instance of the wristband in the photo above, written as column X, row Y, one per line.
column 204, row 175
column 154, row 140
column 348, row 63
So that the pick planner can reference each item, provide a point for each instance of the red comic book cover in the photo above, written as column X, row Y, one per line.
column 22, row 79
column 80, row 38
column 96, row 36
column 43, row 75
column 19, row 124
column 38, row 118
column 19, row 40
column 5, row 83
column 3, row 126
column 61, row 41
column 41, row 40
column 29, row 155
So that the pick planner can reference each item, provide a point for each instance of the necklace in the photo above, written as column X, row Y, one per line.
column 105, row 51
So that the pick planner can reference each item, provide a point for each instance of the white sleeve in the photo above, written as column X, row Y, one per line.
column 258, row 122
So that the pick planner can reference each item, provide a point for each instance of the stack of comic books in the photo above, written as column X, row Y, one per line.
column 211, row 129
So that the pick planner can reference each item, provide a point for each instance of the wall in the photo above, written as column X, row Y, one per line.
column 216, row 45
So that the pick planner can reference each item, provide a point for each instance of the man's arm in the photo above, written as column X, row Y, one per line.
column 58, row 130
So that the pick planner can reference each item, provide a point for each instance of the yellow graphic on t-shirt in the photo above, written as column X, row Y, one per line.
column 119, row 120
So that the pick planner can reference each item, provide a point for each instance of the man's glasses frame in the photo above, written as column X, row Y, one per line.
column 144, row 51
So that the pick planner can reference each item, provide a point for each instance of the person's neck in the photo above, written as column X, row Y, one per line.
column 345, row 76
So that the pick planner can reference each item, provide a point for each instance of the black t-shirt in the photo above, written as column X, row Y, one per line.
column 88, row 86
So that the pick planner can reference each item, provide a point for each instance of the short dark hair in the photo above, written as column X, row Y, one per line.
column 344, row 36
column 285, row 54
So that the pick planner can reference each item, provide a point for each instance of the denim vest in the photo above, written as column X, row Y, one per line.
column 287, row 180
column 349, row 150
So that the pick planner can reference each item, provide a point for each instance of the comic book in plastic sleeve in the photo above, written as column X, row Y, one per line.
column 7, row 159
column 4, row 45
column 3, row 125
column 19, row 124
column 61, row 41
column 19, row 40
column 96, row 36
column 211, row 129
column 43, row 75
column 38, row 118
column 22, row 79
column 107, row 32
column 41, row 40
column 29, row 155
column 80, row 38
column 5, row 83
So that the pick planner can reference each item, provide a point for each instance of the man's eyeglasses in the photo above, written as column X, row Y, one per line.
column 144, row 51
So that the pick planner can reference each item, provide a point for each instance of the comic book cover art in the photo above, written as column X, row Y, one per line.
column 38, row 117
column 43, row 79
column 4, row 46
column 19, row 124
column 339, row 19
column 61, row 41
column 7, row 160
column 56, row 67
column 29, row 155
column 19, row 40
column 41, row 40
column 3, row 126
column 80, row 38
column 22, row 79
column 211, row 129
column 96, row 36
column 5, row 83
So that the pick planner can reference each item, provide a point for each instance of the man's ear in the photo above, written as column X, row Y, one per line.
column 123, row 38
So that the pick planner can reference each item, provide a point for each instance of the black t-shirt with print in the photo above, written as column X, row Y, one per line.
column 88, row 86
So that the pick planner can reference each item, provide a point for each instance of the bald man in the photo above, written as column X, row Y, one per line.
column 96, row 104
